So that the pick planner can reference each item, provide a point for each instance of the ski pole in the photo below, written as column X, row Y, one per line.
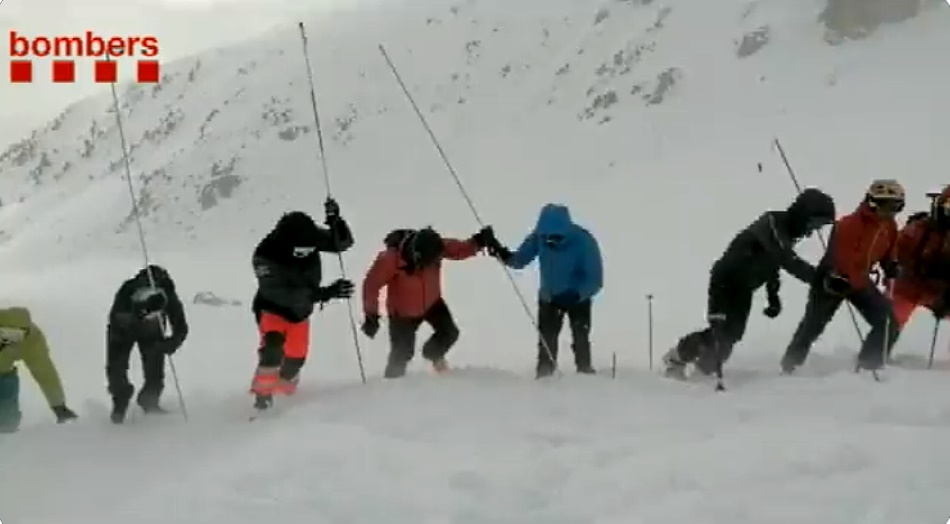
column 468, row 199
column 141, row 231
column 650, row 329
column 821, row 238
column 933, row 343
column 326, row 181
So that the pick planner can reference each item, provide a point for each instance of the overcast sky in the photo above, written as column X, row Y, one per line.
column 182, row 27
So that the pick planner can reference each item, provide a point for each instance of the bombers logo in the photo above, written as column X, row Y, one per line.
column 61, row 52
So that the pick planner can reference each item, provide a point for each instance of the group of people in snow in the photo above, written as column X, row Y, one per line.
column 914, row 264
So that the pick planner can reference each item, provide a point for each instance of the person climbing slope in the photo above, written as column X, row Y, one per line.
column 289, row 273
column 752, row 259
column 22, row 340
column 923, row 255
column 142, row 309
column 572, row 274
column 859, row 241
column 410, row 269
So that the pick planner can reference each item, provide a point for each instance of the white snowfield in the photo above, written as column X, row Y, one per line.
column 641, row 116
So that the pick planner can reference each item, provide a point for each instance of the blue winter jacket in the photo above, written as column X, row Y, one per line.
column 573, row 264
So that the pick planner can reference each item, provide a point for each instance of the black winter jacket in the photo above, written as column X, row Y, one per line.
column 139, row 311
column 288, row 268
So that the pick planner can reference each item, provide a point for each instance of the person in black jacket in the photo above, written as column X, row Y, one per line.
column 752, row 259
column 141, row 311
column 288, row 269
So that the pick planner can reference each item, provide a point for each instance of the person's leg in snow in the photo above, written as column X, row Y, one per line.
column 153, row 369
column 820, row 309
column 550, row 323
column 283, row 349
column 445, row 335
column 402, row 345
column 10, row 414
column 579, row 320
column 877, row 311
column 118, row 351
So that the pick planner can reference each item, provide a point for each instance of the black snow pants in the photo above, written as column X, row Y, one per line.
column 822, row 305
column 729, row 303
column 402, row 338
column 119, row 345
column 551, row 322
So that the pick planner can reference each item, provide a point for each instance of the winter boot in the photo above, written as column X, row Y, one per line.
column 675, row 366
column 440, row 365
column 120, row 404
column 586, row 369
column 262, row 402
column 148, row 401
column 544, row 370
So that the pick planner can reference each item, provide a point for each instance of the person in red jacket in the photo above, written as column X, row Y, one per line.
column 923, row 253
column 410, row 268
column 859, row 241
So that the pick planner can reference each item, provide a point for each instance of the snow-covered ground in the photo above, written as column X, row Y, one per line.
column 664, row 175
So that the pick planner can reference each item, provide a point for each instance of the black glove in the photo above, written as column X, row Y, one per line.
column 890, row 269
column 168, row 347
column 566, row 299
column 331, row 210
column 499, row 251
column 774, row 308
column 64, row 414
column 485, row 237
column 341, row 288
column 941, row 306
column 836, row 285
column 370, row 325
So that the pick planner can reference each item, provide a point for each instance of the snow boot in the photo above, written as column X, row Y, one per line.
column 262, row 402
column 148, row 401
column 544, row 370
column 675, row 367
column 586, row 370
column 119, row 410
column 440, row 366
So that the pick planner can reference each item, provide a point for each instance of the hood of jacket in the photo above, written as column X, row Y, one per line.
column 554, row 220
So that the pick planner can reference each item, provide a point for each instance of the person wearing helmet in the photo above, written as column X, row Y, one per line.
column 410, row 269
column 289, row 273
column 22, row 341
column 753, row 259
column 923, row 253
column 859, row 241
column 140, row 312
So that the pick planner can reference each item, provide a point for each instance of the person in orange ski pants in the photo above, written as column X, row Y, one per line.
column 289, row 272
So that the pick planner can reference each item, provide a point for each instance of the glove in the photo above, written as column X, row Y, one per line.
column 331, row 210
column 890, row 269
column 941, row 306
column 370, row 325
column 836, row 285
column 499, row 251
column 774, row 308
column 167, row 347
column 341, row 288
column 64, row 414
column 566, row 299
column 485, row 237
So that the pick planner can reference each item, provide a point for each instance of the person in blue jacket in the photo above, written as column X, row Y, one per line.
column 572, row 274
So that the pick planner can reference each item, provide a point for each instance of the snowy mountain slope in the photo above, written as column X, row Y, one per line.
column 664, row 184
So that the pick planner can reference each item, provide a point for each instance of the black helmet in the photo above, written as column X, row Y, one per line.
column 811, row 210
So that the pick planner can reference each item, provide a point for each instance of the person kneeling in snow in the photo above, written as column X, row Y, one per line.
column 21, row 340
column 288, row 269
column 571, row 275
column 140, row 311
column 410, row 268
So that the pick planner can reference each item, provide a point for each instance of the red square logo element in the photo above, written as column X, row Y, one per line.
column 106, row 72
column 148, row 72
column 21, row 71
column 64, row 71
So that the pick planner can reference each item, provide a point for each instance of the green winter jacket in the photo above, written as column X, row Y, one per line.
column 32, row 350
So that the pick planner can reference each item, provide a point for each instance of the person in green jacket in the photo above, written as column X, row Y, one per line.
column 21, row 340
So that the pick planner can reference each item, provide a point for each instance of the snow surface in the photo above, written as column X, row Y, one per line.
column 664, row 185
